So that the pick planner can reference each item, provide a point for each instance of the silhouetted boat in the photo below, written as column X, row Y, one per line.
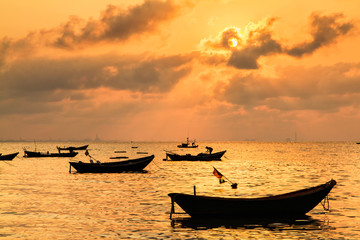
column 199, row 157
column 34, row 154
column 72, row 148
column 131, row 165
column 188, row 144
column 292, row 204
column 119, row 157
column 8, row 157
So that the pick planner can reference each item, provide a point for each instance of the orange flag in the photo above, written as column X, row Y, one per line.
column 219, row 175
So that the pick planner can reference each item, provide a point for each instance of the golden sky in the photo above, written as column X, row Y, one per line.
column 164, row 70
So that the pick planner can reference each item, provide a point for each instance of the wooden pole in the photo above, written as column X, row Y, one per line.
column 233, row 185
column 194, row 190
column 70, row 168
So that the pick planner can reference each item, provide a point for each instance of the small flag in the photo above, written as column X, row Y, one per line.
column 86, row 152
column 219, row 176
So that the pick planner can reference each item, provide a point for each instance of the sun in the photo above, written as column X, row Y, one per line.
column 233, row 42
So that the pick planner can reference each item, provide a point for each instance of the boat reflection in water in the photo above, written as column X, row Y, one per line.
column 301, row 223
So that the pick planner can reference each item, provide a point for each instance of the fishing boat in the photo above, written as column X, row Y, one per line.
column 199, row 157
column 118, row 157
column 8, row 157
column 131, row 165
column 35, row 154
column 291, row 204
column 187, row 144
column 72, row 148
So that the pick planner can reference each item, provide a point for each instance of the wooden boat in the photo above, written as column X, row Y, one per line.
column 131, row 165
column 188, row 144
column 72, row 148
column 119, row 157
column 34, row 154
column 199, row 157
column 8, row 157
column 292, row 204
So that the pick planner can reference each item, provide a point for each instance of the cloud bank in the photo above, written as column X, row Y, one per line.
column 296, row 89
column 52, row 81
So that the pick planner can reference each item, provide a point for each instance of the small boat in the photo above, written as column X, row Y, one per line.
column 188, row 144
column 119, row 157
column 120, row 151
column 72, row 148
column 131, row 165
column 199, row 157
column 291, row 204
column 8, row 157
column 34, row 154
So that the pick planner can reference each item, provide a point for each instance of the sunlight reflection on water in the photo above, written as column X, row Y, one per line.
column 41, row 200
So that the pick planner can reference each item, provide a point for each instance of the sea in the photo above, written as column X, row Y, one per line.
column 41, row 199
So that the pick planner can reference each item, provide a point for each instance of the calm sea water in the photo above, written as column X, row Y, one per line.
column 40, row 199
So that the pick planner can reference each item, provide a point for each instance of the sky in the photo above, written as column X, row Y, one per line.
column 154, row 70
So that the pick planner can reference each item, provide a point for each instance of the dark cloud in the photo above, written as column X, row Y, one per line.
column 247, row 57
column 153, row 75
column 297, row 88
column 324, row 31
column 258, row 40
column 116, row 24
column 35, row 77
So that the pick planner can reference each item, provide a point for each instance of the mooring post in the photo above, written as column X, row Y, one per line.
column 194, row 190
column 70, row 168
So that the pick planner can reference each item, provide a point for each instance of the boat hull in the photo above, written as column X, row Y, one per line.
column 187, row 146
column 31, row 154
column 200, row 157
column 72, row 148
column 8, row 157
column 132, row 165
column 292, row 204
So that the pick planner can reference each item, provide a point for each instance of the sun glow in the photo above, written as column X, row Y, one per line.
column 233, row 42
